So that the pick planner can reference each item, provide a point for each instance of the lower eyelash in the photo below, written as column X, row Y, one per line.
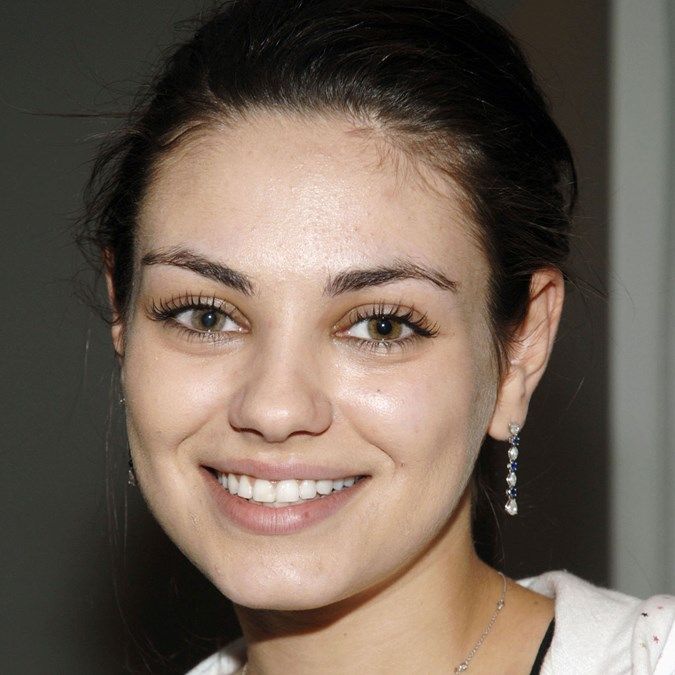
column 387, row 345
column 202, row 336
column 191, row 335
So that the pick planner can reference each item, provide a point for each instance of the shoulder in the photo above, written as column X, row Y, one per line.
column 227, row 661
column 600, row 630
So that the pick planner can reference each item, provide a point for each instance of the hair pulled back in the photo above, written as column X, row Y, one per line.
column 436, row 77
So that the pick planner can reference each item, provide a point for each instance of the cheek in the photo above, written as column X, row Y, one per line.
column 170, row 397
column 421, row 414
column 420, row 418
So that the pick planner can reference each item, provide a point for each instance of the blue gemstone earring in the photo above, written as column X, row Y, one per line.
column 511, row 506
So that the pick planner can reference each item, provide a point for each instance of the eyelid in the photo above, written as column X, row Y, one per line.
column 421, row 327
column 187, row 300
column 399, row 311
column 166, row 311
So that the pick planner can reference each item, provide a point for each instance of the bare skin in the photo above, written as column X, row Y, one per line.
column 445, row 621
column 391, row 582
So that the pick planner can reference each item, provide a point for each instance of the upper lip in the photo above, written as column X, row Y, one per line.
column 282, row 470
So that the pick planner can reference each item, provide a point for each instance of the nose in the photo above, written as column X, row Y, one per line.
column 279, row 396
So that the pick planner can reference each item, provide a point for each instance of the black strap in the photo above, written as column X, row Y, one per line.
column 543, row 648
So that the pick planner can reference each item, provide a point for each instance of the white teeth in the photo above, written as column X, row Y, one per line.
column 288, row 491
column 307, row 489
column 284, row 492
column 232, row 482
column 263, row 491
column 245, row 489
column 324, row 487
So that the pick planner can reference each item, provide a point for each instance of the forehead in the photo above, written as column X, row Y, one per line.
column 304, row 196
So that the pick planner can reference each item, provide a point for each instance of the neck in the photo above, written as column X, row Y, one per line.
column 424, row 618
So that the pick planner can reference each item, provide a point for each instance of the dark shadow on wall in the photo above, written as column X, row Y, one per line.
column 563, row 474
column 171, row 615
column 174, row 617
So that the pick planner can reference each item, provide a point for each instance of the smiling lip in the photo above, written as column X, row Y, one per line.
column 260, row 519
column 282, row 470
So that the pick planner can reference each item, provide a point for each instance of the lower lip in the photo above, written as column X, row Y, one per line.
column 261, row 519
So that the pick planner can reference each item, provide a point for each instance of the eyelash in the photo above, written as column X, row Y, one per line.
column 419, row 323
column 166, row 312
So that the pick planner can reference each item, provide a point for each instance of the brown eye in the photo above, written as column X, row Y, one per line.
column 384, row 328
column 380, row 329
column 209, row 320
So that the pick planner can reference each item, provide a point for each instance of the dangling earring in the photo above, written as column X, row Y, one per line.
column 511, row 507
column 131, row 475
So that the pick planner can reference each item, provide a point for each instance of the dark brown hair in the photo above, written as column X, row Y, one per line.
column 437, row 78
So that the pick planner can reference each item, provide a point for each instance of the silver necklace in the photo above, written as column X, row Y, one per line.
column 464, row 665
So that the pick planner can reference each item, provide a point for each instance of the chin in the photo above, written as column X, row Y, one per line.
column 283, row 588
column 280, row 597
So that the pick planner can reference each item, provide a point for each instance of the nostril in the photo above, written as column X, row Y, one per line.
column 273, row 407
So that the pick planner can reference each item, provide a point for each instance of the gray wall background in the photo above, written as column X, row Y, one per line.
column 72, row 600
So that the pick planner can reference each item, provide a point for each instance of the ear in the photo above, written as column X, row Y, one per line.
column 117, row 327
column 532, row 345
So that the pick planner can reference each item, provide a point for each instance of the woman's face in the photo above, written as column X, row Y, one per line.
column 306, row 308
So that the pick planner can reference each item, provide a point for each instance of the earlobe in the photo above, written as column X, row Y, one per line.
column 530, row 351
column 116, row 331
column 512, row 403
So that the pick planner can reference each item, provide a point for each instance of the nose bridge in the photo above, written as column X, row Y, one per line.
column 281, row 391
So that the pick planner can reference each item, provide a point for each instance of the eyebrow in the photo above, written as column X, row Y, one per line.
column 357, row 279
column 344, row 282
column 180, row 257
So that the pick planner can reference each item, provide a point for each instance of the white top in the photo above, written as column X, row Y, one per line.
column 597, row 632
